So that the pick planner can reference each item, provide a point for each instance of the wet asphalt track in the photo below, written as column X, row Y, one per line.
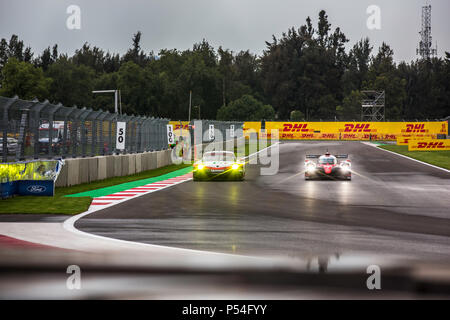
column 392, row 206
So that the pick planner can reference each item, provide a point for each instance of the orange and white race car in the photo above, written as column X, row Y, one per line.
column 219, row 165
column 327, row 166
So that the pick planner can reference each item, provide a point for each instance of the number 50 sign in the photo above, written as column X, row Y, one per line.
column 121, row 131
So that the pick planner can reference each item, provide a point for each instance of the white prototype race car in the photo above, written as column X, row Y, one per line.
column 327, row 166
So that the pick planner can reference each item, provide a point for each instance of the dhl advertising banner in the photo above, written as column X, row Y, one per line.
column 251, row 126
column 404, row 139
column 180, row 128
column 429, row 145
column 350, row 130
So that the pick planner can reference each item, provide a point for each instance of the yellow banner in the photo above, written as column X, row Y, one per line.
column 252, row 126
column 341, row 130
column 180, row 128
column 429, row 145
column 404, row 139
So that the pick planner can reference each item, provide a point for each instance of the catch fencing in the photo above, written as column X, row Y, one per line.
column 42, row 130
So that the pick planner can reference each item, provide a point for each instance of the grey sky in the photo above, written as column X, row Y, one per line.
column 233, row 24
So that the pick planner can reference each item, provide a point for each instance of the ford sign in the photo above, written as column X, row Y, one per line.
column 36, row 189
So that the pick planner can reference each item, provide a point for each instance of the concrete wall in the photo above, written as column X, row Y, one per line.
column 89, row 169
column 86, row 170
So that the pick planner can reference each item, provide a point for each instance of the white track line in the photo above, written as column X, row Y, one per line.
column 133, row 194
column 401, row 155
column 255, row 153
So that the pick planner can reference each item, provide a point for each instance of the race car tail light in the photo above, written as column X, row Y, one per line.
column 310, row 166
column 345, row 165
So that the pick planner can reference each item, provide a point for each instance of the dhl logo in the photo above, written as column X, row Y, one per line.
column 296, row 127
column 300, row 136
column 265, row 135
column 179, row 126
column 430, row 145
column 415, row 128
column 329, row 136
column 360, row 127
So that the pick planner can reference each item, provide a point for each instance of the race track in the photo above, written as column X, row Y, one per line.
column 393, row 206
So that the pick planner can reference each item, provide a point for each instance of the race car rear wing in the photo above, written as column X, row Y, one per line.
column 317, row 156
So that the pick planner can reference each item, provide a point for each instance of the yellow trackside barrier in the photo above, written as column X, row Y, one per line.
column 252, row 126
column 404, row 139
column 341, row 130
column 429, row 145
column 327, row 136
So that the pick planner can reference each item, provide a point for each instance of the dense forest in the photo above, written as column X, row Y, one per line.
column 305, row 74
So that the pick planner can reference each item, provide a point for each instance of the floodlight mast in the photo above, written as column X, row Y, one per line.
column 115, row 97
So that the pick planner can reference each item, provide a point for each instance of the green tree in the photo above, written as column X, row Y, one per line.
column 246, row 108
column 351, row 107
column 383, row 75
column 297, row 115
column 24, row 80
column 304, row 68
column 14, row 49
column 72, row 84
column 135, row 53
column 93, row 58
column 131, row 82
column 106, row 81
column 47, row 58
column 357, row 66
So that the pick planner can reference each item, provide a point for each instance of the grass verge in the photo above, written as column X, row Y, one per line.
column 68, row 205
column 60, row 204
column 437, row 158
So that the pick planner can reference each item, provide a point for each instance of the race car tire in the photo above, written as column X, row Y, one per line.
column 195, row 177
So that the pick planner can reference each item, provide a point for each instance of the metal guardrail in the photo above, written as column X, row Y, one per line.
column 41, row 130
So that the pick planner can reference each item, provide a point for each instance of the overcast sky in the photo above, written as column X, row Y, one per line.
column 233, row 24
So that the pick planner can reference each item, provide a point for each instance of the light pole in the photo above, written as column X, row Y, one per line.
column 116, row 94
column 190, row 104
